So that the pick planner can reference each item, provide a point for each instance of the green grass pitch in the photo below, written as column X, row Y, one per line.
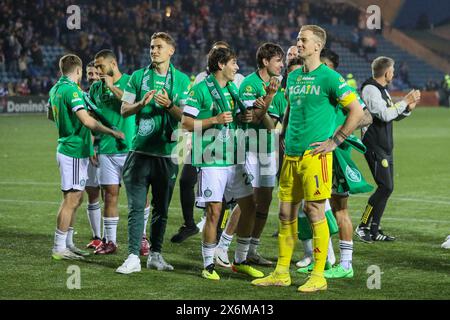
column 414, row 266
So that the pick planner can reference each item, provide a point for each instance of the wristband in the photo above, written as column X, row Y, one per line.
column 336, row 140
column 170, row 106
column 342, row 134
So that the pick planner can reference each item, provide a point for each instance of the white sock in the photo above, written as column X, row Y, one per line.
column 254, row 243
column 242, row 246
column 95, row 218
column 330, row 256
column 225, row 240
column 110, row 228
column 307, row 247
column 146, row 215
column 59, row 244
column 69, row 238
column 208, row 253
column 346, row 248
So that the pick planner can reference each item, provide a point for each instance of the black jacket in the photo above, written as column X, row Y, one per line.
column 379, row 135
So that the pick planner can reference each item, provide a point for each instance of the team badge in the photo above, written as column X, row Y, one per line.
column 352, row 174
column 82, row 182
column 248, row 89
column 191, row 94
column 224, row 134
column 75, row 94
column 146, row 127
column 207, row 193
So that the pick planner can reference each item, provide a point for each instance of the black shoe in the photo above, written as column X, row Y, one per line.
column 211, row 267
column 380, row 236
column 275, row 234
column 183, row 233
column 363, row 234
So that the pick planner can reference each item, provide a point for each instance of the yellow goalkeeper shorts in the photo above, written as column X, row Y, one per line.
column 307, row 177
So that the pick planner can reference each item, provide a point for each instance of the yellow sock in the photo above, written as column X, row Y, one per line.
column 287, row 237
column 320, row 245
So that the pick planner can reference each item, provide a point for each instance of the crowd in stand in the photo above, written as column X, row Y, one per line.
column 125, row 26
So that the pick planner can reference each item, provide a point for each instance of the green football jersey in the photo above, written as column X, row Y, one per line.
column 278, row 106
column 216, row 146
column 155, row 125
column 109, row 106
column 66, row 98
column 313, row 97
column 252, row 88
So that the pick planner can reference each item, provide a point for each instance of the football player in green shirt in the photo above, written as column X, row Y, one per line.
column 74, row 149
column 313, row 92
column 156, row 95
column 106, row 95
column 94, row 212
column 260, row 159
column 339, row 199
column 218, row 150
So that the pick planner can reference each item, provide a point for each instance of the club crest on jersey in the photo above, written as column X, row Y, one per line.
column 207, row 193
column 353, row 174
column 248, row 89
column 146, row 127
column 224, row 134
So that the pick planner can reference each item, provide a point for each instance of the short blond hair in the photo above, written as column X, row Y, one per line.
column 319, row 32
column 164, row 36
column 380, row 65
column 68, row 63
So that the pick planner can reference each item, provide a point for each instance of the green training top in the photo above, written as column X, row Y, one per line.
column 341, row 112
column 251, row 89
column 154, row 124
column 313, row 97
column 217, row 145
column 66, row 98
column 109, row 106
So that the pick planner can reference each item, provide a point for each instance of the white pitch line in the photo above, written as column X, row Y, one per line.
column 28, row 183
column 417, row 220
column 408, row 199
column 29, row 201
column 179, row 208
